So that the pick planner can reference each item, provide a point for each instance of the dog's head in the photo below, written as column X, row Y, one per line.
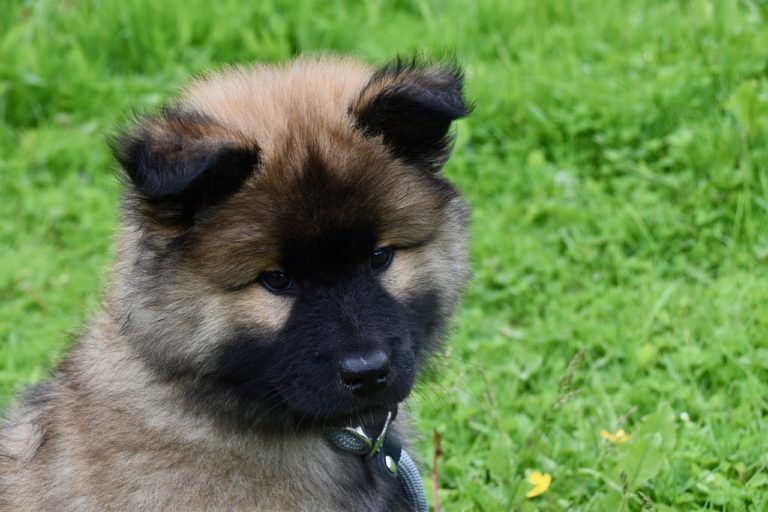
column 291, row 252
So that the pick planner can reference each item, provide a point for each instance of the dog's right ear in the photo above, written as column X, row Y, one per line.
column 180, row 162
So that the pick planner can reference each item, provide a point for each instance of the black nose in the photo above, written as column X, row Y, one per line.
column 366, row 373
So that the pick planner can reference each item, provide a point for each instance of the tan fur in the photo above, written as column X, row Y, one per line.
column 104, row 432
column 278, row 106
column 447, row 250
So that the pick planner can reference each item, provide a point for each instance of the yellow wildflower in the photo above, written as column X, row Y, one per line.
column 540, row 482
column 619, row 437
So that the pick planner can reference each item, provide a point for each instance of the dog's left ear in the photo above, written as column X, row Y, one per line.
column 412, row 105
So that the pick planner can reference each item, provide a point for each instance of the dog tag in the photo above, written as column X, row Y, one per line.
column 387, row 458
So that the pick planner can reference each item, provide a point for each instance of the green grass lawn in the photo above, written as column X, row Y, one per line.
column 617, row 164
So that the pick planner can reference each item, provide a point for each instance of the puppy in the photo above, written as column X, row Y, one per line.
column 287, row 259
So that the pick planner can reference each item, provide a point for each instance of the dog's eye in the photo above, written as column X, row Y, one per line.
column 381, row 258
column 276, row 281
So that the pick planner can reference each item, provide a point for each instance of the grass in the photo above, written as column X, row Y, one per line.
column 617, row 164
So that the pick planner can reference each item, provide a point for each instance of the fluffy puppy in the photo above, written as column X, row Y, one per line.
column 288, row 257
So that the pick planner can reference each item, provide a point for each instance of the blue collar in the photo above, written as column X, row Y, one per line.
column 385, row 457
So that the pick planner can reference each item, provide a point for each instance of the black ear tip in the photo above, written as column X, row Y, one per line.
column 442, row 79
column 447, row 69
column 131, row 151
column 123, row 148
